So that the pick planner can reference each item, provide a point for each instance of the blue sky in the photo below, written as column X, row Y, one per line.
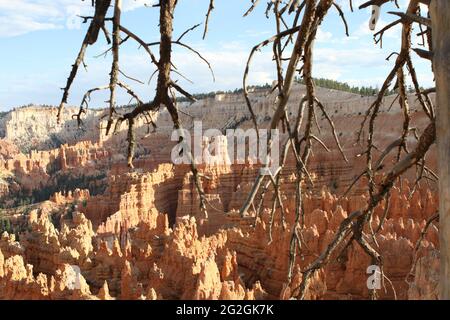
column 41, row 38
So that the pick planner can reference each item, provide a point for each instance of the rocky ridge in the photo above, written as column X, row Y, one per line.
column 139, row 234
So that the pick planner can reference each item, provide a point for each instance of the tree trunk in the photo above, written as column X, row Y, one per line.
column 440, row 15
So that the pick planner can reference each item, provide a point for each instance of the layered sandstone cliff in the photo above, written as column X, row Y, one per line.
column 110, row 232
column 140, row 255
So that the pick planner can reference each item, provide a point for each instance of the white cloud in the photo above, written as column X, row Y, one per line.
column 323, row 36
column 354, row 59
column 255, row 34
column 362, row 56
column 228, row 62
column 129, row 5
column 23, row 16
column 17, row 25
column 358, row 66
column 393, row 32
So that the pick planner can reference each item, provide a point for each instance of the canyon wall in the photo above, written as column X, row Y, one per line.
column 245, row 258
column 110, row 232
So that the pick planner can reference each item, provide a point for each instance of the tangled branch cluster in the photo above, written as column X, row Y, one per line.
column 166, row 87
column 297, row 24
column 308, row 15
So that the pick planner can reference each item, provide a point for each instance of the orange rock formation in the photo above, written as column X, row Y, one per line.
column 144, row 236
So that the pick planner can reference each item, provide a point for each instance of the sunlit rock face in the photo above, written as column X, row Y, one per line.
column 82, row 225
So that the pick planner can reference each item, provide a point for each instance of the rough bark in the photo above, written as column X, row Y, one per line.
column 440, row 13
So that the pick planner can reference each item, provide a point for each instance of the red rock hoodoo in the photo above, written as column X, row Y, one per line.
column 79, row 224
